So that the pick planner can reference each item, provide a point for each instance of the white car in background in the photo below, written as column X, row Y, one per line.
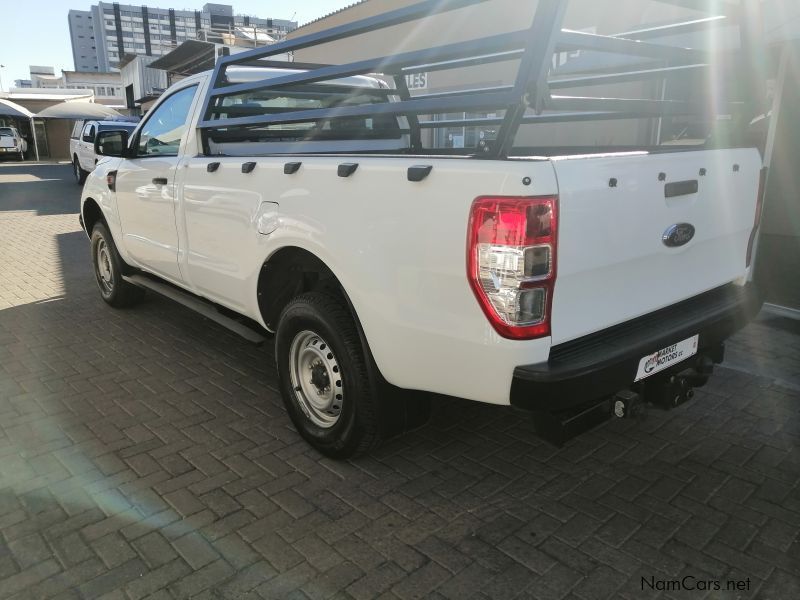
column 81, row 144
column 11, row 142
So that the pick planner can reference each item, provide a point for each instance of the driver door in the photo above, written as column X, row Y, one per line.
column 86, row 146
column 146, row 186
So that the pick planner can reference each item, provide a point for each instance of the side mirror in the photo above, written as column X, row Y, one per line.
column 111, row 143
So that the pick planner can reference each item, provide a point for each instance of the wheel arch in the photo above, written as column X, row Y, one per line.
column 92, row 214
column 288, row 272
column 293, row 270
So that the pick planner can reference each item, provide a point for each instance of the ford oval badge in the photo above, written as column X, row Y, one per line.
column 678, row 235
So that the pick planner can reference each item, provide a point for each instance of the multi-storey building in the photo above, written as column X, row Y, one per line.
column 106, row 32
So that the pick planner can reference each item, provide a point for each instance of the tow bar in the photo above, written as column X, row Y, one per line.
column 665, row 390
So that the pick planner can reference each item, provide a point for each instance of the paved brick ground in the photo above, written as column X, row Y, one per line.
column 145, row 453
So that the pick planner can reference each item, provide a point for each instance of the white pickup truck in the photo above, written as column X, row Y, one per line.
column 11, row 142
column 81, row 144
column 570, row 285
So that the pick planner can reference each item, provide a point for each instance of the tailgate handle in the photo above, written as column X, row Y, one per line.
column 680, row 188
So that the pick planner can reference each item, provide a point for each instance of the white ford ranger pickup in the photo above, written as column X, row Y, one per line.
column 312, row 202
column 81, row 144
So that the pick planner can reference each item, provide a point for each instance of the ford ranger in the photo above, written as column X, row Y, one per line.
column 81, row 144
column 308, row 201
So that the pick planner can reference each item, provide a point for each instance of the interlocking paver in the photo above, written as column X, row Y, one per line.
column 146, row 453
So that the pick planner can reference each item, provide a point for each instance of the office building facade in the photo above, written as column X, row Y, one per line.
column 104, row 34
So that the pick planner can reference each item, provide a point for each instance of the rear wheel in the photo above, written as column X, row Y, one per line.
column 78, row 172
column 108, row 267
column 326, row 383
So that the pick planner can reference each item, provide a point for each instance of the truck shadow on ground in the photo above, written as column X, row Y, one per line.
column 160, row 358
column 39, row 187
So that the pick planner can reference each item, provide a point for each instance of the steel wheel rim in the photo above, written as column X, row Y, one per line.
column 103, row 267
column 316, row 379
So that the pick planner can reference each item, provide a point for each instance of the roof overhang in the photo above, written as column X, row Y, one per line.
column 192, row 56
column 147, row 98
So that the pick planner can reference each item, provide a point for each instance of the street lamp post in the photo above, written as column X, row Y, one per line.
column 1, row 77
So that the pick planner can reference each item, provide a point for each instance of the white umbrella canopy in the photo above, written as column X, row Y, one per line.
column 11, row 109
column 77, row 111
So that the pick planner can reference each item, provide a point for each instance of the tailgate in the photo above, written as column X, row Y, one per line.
column 613, row 264
column 6, row 141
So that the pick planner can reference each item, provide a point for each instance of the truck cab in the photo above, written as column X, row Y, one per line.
column 81, row 144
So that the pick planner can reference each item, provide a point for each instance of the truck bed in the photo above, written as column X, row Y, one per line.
column 398, row 245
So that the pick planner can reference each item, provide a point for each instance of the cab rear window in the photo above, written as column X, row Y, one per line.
column 263, row 102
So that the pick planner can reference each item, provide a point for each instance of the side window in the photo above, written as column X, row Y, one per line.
column 162, row 132
column 88, row 133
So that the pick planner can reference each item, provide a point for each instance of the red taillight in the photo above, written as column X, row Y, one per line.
column 511, row 262
column 762, row 184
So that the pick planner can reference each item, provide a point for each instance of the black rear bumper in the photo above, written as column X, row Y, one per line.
column 600, row 364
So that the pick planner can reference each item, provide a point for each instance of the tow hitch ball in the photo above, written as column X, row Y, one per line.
column 670, row 393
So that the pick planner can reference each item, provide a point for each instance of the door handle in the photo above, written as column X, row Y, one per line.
column 160, row 180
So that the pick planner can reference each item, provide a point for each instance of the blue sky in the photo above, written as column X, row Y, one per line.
column 35, row 32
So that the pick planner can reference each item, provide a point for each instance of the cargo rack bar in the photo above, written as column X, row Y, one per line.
column 532, row 48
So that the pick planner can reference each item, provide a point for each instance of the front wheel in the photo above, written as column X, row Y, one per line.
column 108, row 271
column 78, row 172
column 324, row 376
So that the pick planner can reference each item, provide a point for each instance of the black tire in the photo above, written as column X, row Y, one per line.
column 78, row 172
column 356, row 426
column 108, row 270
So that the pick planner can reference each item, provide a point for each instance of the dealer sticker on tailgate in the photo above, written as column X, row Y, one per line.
column 666, row 357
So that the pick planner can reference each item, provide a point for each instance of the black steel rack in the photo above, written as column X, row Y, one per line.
column 529, row 100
